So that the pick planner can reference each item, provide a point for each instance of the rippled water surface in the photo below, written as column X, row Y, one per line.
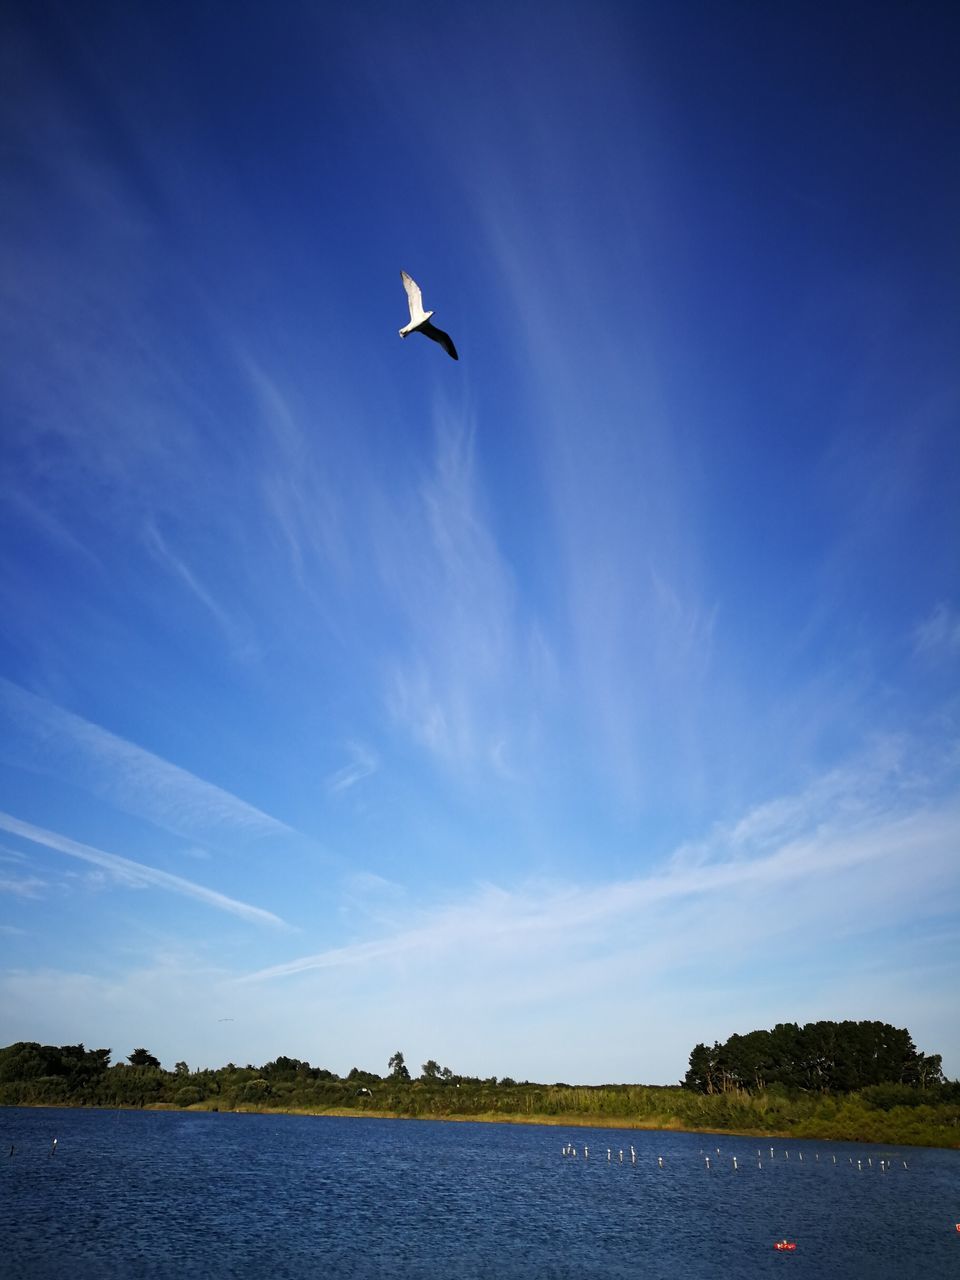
column 158, row 1194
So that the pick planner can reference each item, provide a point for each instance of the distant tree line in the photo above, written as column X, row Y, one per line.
column 907, row 1101
column 819, row 1057
column 37, row 1074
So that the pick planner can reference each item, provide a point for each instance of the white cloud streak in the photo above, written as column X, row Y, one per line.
column 183, row 573
column 938, row 636
column 136, row 875
column 857, row 825
column 462, row 683
column 363, row 764
column 45, row 737
column 22, row 886
column 296, row 488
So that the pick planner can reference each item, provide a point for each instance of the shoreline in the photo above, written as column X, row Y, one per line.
column 541, row 1121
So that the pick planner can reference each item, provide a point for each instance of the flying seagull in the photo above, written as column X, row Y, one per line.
column 420, row 319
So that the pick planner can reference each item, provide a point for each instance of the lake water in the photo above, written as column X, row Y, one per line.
column 166, row 1194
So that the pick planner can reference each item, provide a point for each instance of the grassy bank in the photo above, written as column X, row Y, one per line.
column 851, row 1119
column 40, row 1075
column 897, row 1127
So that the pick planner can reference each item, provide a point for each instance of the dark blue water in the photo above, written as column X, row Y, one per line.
column 160, row 1194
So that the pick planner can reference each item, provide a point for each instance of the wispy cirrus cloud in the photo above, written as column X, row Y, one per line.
column 633, row 615
column 460, row 679
column 135, row 874
column 529, row 920
column 362, row 764
column 157, row 545
column 806, row 907
column 865, row 825
column 297, row 493
column 938, row 635
column 50, row 525
column 22, row 886
column 40, row 735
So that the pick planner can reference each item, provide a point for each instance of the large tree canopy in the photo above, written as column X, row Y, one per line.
column 823, row 1057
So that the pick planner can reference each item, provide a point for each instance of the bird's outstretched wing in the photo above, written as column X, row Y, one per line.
column 414, row 300
column 431, row 331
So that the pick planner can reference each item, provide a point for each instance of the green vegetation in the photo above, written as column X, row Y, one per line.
column 820, row 1057
column 918, row 1110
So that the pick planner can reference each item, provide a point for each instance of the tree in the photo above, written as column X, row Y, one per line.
column 397, row 1067
column 699, row 1076
column 181, row 1069
column 929, row 1069
column 430, row 1070
column 142, row 1058
column 358, row 1075
column 819, row 1057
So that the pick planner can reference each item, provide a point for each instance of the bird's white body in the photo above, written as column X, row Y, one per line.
column 415, row 324
column 420, row 319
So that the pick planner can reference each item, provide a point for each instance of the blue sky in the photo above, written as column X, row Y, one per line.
column 542, row 713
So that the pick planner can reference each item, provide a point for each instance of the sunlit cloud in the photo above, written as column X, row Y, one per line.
column 136, row 875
